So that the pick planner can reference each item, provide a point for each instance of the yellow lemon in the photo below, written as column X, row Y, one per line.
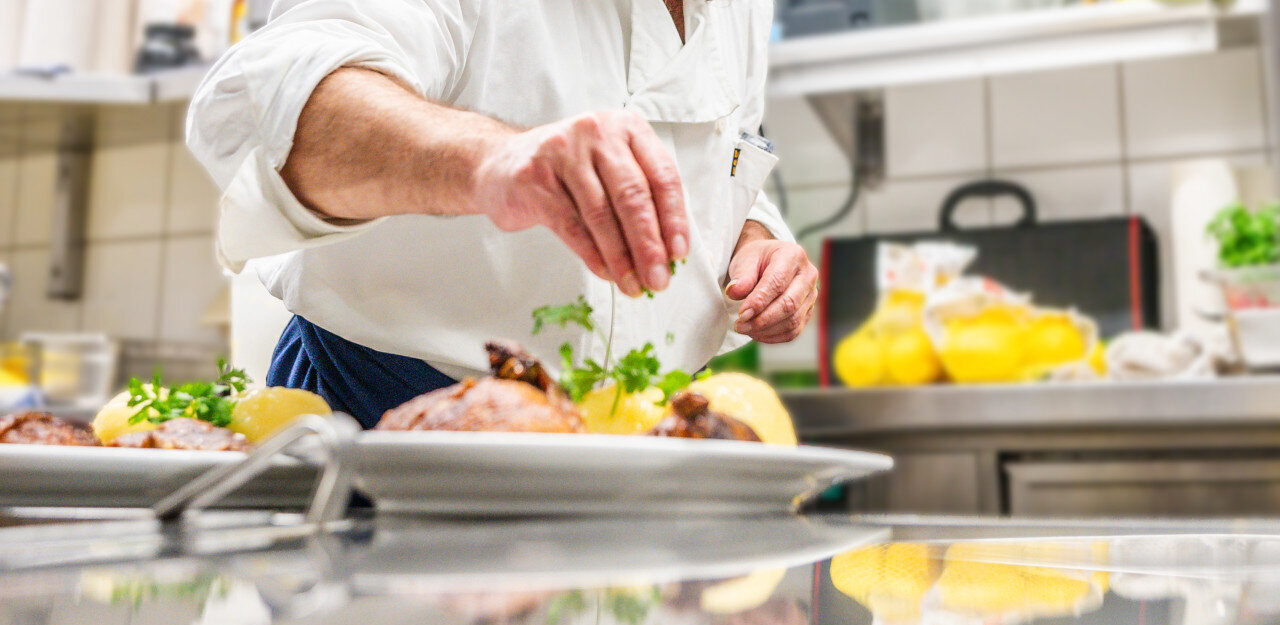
column 112, row 421
column 890, row 580
column 750, row 401
column 743, row 593
column 262, row 412
column 859, row 360
column 1098, row 358
column 899, row 311
column 912, row 360
column 987, row 349
column 1054, row 339
column 637, row 413
column 9, row 378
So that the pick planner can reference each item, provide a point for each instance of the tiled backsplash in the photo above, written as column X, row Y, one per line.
column 1087, row 142
column 150, row 271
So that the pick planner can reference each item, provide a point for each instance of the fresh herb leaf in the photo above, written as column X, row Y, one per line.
column 672, row 383
column 579, row 380
column 636, row 369
column 577, row 312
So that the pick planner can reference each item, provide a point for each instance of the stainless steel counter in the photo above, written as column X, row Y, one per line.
column 1204, row 448
column 1246, row 401
column 784, row 570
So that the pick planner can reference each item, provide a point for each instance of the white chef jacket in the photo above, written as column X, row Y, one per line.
column 436, row 288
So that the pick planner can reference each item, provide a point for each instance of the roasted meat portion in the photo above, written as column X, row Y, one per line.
column 521, row 397
column 192, row 434
column 691, row 417
column 40, row 428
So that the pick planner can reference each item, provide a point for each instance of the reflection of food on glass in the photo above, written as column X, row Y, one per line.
column 116, row 588
column 493, row 607
column 775, row 611
column 623, row 605
column 890, row 580
column 743, row 593
column 977, row 580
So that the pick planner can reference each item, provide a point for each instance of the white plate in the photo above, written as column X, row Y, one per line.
column 487, row 473
column 53, row 475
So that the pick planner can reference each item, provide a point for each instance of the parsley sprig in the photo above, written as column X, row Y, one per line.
column 635, row 371
column 207, row 401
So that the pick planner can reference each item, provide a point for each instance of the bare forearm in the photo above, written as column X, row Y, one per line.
column 367, row 147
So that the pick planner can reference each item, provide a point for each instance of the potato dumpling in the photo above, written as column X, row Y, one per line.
column 262, row 412
column 113, row 420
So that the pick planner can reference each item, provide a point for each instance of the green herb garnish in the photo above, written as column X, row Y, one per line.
column 207, row 401
column 1247, row 238
column 637, row 370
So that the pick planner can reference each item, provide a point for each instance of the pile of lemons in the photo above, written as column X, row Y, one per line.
column 972, row 582
column 998, row 343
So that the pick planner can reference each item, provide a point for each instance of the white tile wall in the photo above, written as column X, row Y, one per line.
column 150, row 270
column 37, row 175
column 129, row 173
column 936, row 129
column 29, row 309
column 1194, row 105
column 122, row 289
column 1054, row 118
column 1067, row 193
column 191, row 269
column 807, row 154
column 8, row 197
column 914, row 205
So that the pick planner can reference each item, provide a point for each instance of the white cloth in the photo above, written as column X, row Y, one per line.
column 437, row 288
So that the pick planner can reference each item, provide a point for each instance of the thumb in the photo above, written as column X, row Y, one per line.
column 744, row 273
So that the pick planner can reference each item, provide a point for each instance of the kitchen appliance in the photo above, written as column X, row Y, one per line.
column 1106, row 268
column 813, row 17
column 75, row 371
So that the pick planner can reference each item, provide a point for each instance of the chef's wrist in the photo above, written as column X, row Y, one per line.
column 752, row 231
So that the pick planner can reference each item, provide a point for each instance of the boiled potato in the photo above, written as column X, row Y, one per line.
column 113, row 420
column 262, row 412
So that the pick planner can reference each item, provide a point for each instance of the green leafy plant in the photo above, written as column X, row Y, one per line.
column 1247, row 238
column 207, row 401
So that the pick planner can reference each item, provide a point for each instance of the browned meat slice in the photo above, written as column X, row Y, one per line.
column 191, row 434
column 521, row 398
column 40, row 428
column 691, row 417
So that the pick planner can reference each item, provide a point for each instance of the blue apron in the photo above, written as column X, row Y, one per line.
column 354, row 379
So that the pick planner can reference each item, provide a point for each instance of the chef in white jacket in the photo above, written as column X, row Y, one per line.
column 414, row 177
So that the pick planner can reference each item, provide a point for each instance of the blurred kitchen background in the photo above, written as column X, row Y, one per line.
column 1159, row 110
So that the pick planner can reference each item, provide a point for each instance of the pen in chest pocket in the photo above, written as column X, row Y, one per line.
column 752, row 140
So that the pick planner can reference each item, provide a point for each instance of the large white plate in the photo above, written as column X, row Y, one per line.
column 53, row 475
column 489, row 473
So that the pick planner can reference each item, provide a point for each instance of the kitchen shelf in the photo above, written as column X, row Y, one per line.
column 159, row 88
column 1018, row 42
column 1243, row 401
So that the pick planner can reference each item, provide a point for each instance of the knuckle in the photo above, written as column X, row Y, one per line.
column 596, row 214
column 554, row 144
column 590, row 124
column 633, row 197
column 788, row 304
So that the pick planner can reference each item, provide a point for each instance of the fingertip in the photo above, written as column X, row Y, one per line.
column 679, row 247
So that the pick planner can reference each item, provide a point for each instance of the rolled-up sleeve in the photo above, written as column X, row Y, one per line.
column 243, row 117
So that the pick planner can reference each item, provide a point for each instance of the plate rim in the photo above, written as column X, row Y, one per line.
column 713, row 447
